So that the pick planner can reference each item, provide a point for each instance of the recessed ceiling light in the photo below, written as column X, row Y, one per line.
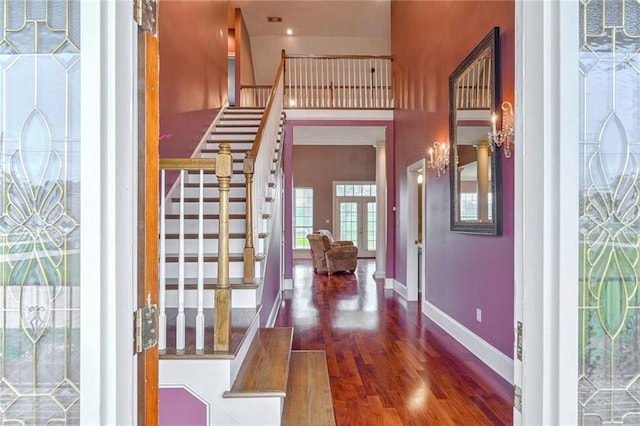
column 289, row 31
column 274, row 19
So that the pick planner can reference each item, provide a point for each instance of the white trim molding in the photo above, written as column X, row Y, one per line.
column 493, row 358
column 401, row 289
column 546, row 210
column 274, row 311
column 389, row 283
column 287, row 284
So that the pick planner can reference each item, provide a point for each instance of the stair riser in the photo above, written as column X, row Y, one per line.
column 211, row 178
column 230, row 137
column 230, row 121
column 240, row 298
column 209, row 208
column 210, row 225
column 245, row 128
column 210, row 270
column 236, row 245
column 190, row 192
column 244, row 146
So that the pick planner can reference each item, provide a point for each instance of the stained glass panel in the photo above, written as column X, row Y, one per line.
column 39, row 212
column 609, row 338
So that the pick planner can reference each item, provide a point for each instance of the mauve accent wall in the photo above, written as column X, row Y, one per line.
column 317, row 167
column 193, row 71
column 179, row 407
column 463, row 272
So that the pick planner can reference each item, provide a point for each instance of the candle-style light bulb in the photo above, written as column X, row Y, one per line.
column 494, row 119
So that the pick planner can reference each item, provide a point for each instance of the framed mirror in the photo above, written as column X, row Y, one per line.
column 475, row 172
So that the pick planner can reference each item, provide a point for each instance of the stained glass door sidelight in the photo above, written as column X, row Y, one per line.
column 609, row 305
column 40, row 211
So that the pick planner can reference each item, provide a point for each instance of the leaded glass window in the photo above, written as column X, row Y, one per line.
column 609, row 305
column 40, row 211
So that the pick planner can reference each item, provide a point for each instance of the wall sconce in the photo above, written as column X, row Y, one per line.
column 438, row 157
column 505, row 135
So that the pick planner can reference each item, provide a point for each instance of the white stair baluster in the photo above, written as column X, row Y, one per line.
column 180, row 320
column 162, row 315
column 200, row 314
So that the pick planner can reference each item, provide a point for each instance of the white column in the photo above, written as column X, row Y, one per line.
column 381, row 209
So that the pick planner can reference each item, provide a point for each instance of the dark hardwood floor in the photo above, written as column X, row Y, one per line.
column 388, row 364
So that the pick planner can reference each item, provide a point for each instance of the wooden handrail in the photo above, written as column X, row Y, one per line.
column 187, row 164
column 248, row 169
column 255, row 86
column 312, row 56
column 258, row 140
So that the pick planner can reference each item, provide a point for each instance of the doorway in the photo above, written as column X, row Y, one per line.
column 355, row 215
column 415, row 217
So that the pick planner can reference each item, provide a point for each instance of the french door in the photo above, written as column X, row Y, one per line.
column 356, row 221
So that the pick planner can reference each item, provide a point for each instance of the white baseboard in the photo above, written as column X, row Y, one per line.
column 301, row 254
column 389, row 283
column 493, row 358
column 274, row 310
column 401, row 289
column 379, row 274
column 287, row 284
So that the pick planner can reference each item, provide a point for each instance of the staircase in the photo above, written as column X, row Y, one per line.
column 247, row 382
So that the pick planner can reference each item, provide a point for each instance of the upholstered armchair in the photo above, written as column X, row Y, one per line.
column 332, row 258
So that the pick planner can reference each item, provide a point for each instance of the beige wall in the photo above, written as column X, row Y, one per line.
column 319, row 166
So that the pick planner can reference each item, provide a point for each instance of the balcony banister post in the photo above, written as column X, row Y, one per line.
column 249, row 250
column 222, row 325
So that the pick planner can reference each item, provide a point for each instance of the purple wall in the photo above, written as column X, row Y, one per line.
column 463, row 272
column 273, row 270
column 288, row 191
column 179, row 407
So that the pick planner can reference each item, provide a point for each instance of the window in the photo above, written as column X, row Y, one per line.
column 302, row 216
column 469, row 205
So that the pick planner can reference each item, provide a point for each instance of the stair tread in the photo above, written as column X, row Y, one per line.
column 193, row 257
column 207, row 216
column 207, row 235
column 209, row 199
column 214, row 185
column 241, row 320
column 308, row 398
column 265, row 369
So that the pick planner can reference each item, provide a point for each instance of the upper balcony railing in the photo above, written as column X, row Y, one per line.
column 330, row 82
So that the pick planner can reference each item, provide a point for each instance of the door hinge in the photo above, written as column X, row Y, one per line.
column 517, row 398
column 519, row 340
column 144, row 13
column 145, row 320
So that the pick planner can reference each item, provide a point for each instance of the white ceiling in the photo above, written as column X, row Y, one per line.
column 318, row 18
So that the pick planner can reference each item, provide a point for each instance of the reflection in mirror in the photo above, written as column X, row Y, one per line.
column 476, row 188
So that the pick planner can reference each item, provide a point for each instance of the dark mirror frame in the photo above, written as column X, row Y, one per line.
column 491, row 41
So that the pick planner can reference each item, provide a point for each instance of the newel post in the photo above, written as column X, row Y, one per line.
column 249, row 250
column 222, row 326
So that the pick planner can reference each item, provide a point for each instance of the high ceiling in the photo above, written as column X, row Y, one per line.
column 337, row 18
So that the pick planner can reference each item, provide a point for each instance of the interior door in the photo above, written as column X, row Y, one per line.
column 148, row 132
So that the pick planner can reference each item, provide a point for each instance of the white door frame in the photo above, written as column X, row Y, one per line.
column 108, row 191
column 546, row 218
column 412, row 230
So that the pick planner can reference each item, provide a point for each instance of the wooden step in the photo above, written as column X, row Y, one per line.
column 241, row 320
column 265, row 370
column 308, row 400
